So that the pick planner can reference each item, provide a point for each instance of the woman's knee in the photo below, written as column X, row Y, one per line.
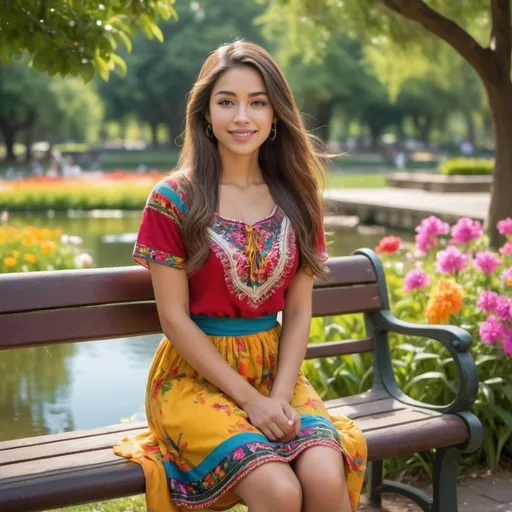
column 273, row 486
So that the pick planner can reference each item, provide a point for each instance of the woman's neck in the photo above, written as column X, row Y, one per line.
column 240, row 170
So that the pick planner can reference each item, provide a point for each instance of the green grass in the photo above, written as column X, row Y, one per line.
column 132, row 504
column 355, row 180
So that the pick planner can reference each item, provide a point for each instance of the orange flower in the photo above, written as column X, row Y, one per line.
column 9, row 261
column 47, row 246
column 389, row 244
column 446, row 300
column 31, row 258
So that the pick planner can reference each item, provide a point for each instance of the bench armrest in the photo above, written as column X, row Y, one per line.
column 456, row 340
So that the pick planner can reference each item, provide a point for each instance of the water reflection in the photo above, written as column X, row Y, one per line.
column 76, row 386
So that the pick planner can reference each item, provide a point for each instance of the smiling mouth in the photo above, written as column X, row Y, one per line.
column 243, row 134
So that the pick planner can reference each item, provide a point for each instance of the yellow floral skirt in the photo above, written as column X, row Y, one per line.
column 200, row 443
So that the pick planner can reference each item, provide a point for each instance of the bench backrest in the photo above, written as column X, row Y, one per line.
column 45, row 308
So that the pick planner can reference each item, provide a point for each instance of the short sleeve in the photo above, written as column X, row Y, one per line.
column 160, row 234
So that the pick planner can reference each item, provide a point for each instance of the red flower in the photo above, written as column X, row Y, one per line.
column 389, row 244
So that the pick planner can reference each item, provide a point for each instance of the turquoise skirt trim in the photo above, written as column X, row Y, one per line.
column 238, row 326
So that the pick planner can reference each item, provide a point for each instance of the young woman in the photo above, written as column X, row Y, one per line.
column 231, row 238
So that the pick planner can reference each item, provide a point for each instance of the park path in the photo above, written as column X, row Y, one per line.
column 484, row 493
column 406, row 202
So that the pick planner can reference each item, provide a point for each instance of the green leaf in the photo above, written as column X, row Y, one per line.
column 102, row 67
column 119, row 63
column 155, row 29
column 126, row 40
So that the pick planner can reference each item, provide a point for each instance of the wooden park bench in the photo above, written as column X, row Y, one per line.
column 51, row 471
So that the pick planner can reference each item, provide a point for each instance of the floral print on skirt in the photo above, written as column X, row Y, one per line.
column 200, row 443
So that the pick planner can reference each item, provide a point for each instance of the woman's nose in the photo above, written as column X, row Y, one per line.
column 241, row 114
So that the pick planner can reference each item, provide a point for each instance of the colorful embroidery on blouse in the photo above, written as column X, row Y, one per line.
column 169, row 199
column 258, row 258
column 142, row 254
column 198, row 488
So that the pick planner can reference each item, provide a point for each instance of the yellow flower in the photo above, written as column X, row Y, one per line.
column 31, row 258
column 15, row 253
column 47, row 246
column 29, row 240
column 446, row 300
column 9, row 261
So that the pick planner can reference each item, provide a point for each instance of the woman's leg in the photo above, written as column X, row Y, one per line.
column 271, row 487
column 322, row 478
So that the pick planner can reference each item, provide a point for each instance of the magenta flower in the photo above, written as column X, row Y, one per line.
column 504, row 308
column 451, row 260
column 487, row 301
column 506, row 250
column 428, row 231
column 506, row 276
column 466, row 230
column 506, row 341
column 487, row 262
column 491, row 330
column 505, row 226
column 416, row 280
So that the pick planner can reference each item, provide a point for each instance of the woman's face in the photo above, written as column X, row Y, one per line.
column 240, row 112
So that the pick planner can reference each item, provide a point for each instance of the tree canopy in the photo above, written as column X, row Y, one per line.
column 77, row 37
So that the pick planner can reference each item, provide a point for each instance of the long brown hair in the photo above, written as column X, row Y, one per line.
column 292, row 165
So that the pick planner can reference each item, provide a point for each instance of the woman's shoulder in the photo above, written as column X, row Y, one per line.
column 170, row 193
column 169, row 197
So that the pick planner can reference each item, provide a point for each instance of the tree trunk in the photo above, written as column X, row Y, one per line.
column 9, row 138
column 154, row 135
column 324, row 113
column 500, row 101
column 470, row 127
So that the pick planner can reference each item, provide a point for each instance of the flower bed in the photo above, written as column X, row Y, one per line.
column 28, row 249
column 450, row 275
column 117, row 190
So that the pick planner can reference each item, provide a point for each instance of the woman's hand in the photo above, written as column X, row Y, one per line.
column 274, row 417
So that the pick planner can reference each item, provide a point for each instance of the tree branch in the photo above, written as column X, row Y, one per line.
column 444, row 28
column 501, row 39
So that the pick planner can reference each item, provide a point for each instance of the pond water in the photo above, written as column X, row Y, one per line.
column 84, row 385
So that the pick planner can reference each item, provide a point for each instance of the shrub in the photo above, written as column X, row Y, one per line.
column 449, row 276
column 467, row 166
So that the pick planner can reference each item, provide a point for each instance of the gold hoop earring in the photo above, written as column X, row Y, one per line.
column 209, row 131
column 273, row 131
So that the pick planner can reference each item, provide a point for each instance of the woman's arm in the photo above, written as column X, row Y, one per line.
column 170, row 286
column 295, row 334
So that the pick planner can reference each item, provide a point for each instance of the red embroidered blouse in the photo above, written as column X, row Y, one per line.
column 249, row 266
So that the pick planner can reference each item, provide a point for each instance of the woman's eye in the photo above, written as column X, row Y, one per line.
column 260, row 103
column 223, row 102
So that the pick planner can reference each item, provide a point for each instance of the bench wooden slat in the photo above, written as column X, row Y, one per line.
column 339, row 301
column 71, row 288
column 92, row 441
column 338, row 348
column 123, row 320
column 78, row 324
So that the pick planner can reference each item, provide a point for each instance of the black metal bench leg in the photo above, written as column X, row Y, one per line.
column 374, row 481
column 444, row 479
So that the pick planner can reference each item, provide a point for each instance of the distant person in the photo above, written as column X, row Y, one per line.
column 70, row 169
column 231, row 238
column 467, row 148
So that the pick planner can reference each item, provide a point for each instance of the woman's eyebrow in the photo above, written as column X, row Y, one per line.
column 251, row 94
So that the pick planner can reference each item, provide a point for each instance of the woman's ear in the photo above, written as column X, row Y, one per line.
column 208, row 117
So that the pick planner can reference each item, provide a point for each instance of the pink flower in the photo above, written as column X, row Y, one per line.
column 238, row 454
column 505, row 226
column 428, row 231
column 506, row 341
column 506, row 250
column 504, row 308
column 466, row 230
column 487, row 262
column 491, row 330
column 506, row 276
column 416, row 280
column 451, row 260
column 487, row 301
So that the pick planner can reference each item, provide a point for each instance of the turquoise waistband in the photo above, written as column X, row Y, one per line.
column 224, row 326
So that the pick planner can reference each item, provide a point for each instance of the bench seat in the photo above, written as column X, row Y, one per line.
column 58, row 470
